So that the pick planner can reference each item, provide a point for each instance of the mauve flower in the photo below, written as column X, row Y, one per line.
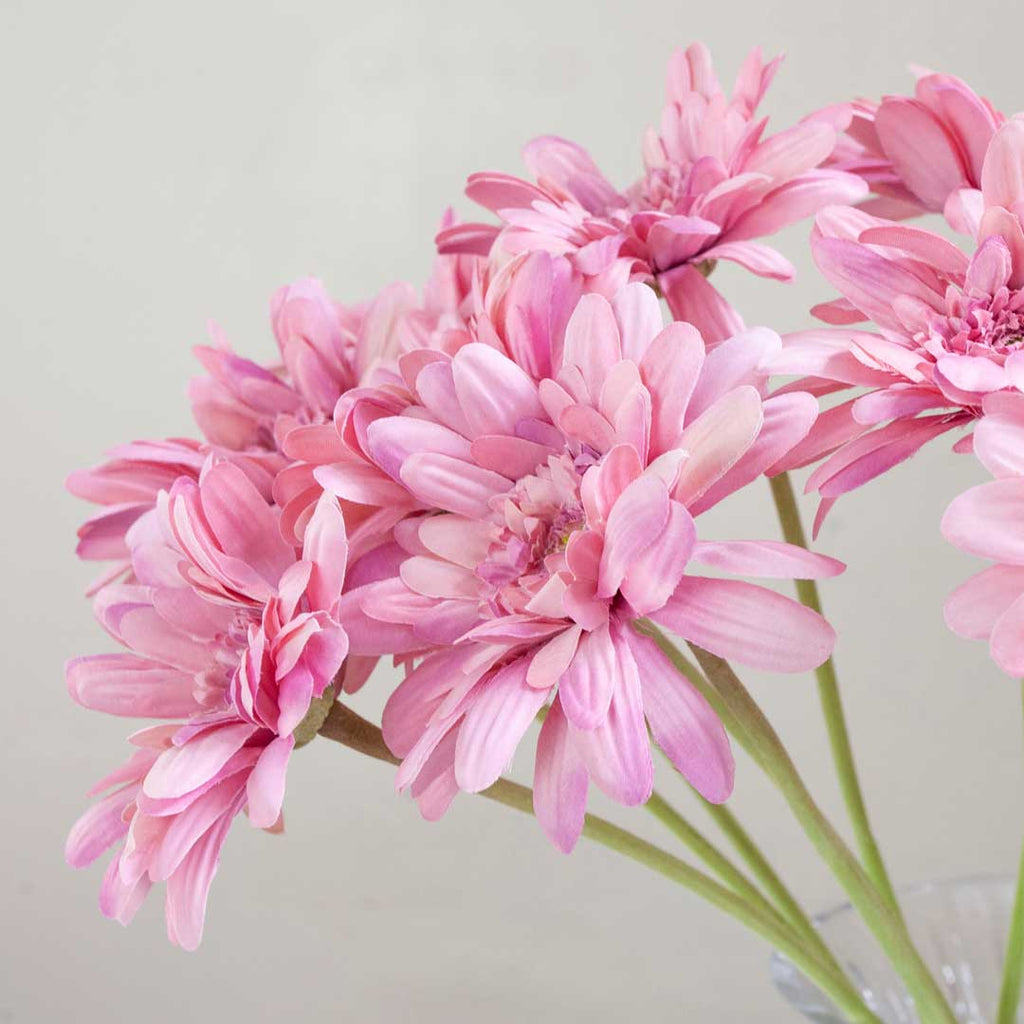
column 711, row 185
column 232, row 635
column 552, row 513
column 923, row 152
column 951, row 327
column 988, row 521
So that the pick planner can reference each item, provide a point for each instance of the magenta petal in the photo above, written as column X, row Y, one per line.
column 683, row 723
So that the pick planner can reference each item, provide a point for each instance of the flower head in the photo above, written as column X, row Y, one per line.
column 712, row 183
column 951, row 327
column 547, row 516
column 233, row 636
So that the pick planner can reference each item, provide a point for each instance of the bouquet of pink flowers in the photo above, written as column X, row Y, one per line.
column 498, row 483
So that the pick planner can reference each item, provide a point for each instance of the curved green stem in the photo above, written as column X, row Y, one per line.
column 832, row 706
column 767, row 749
column 345, row 726
column 1013, row 967
column 719, row 863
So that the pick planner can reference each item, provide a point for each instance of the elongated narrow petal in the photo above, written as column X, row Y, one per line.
column 748, row 624
column 683, row 723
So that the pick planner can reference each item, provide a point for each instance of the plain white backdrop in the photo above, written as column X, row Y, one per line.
column 167, row 163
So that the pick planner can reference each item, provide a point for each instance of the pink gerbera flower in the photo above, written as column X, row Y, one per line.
column 988, row 521
column 234, row 637
column 951, row 328
column 921, row 152
column 711, row 185
column 550, row 514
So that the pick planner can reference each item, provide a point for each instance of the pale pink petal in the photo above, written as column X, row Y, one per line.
column 766, row 558
column 1002, row 175
column 122, row 684
column 973, row 608
column 922, row 151
column 265, row 787
column 443, row 482
column 617, row 752
column 592, row 341
column 653, row 577
column 989, row 521
column 670, row 369
column 497, row 720
column 559, row 782
column 180, row 770
column 585, row 689
column 748, row 624
column 637, row 518
column 553, row 658
column 683, row 723
column 1007, row 641
column 189, row 887
column 716, row 440
column 494, row 393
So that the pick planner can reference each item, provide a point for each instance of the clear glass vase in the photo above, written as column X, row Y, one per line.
column 960, row 928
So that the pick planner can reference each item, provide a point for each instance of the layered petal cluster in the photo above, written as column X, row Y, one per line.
column 923, row 152
column 713, row 183
column 951, row 326
column 232, row 636
column 988, row 521
column 549, row 513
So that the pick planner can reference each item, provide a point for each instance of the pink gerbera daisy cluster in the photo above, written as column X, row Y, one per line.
column 499, row 483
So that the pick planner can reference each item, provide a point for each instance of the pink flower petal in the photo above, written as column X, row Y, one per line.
column 559, row 782
column 973, row 609
column 748, row 624
column 683, row 723
column 766, row 558
column 617, row 752
column 585, row 689
column 122, row 684
column 637, row 518
column 496, row 721
column 989, row 521
column 265, row 787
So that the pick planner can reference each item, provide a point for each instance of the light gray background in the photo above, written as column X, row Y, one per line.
column 164, row 163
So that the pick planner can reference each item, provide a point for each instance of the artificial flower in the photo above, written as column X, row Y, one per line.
column 546, row 515
column 712, row 184
column 232, row 635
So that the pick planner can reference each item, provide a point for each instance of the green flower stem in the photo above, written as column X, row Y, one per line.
column 723, row 816
column 719, row 863
column 887, row 927
column 1009, row 995
column 832, row 706
column 344, row 726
